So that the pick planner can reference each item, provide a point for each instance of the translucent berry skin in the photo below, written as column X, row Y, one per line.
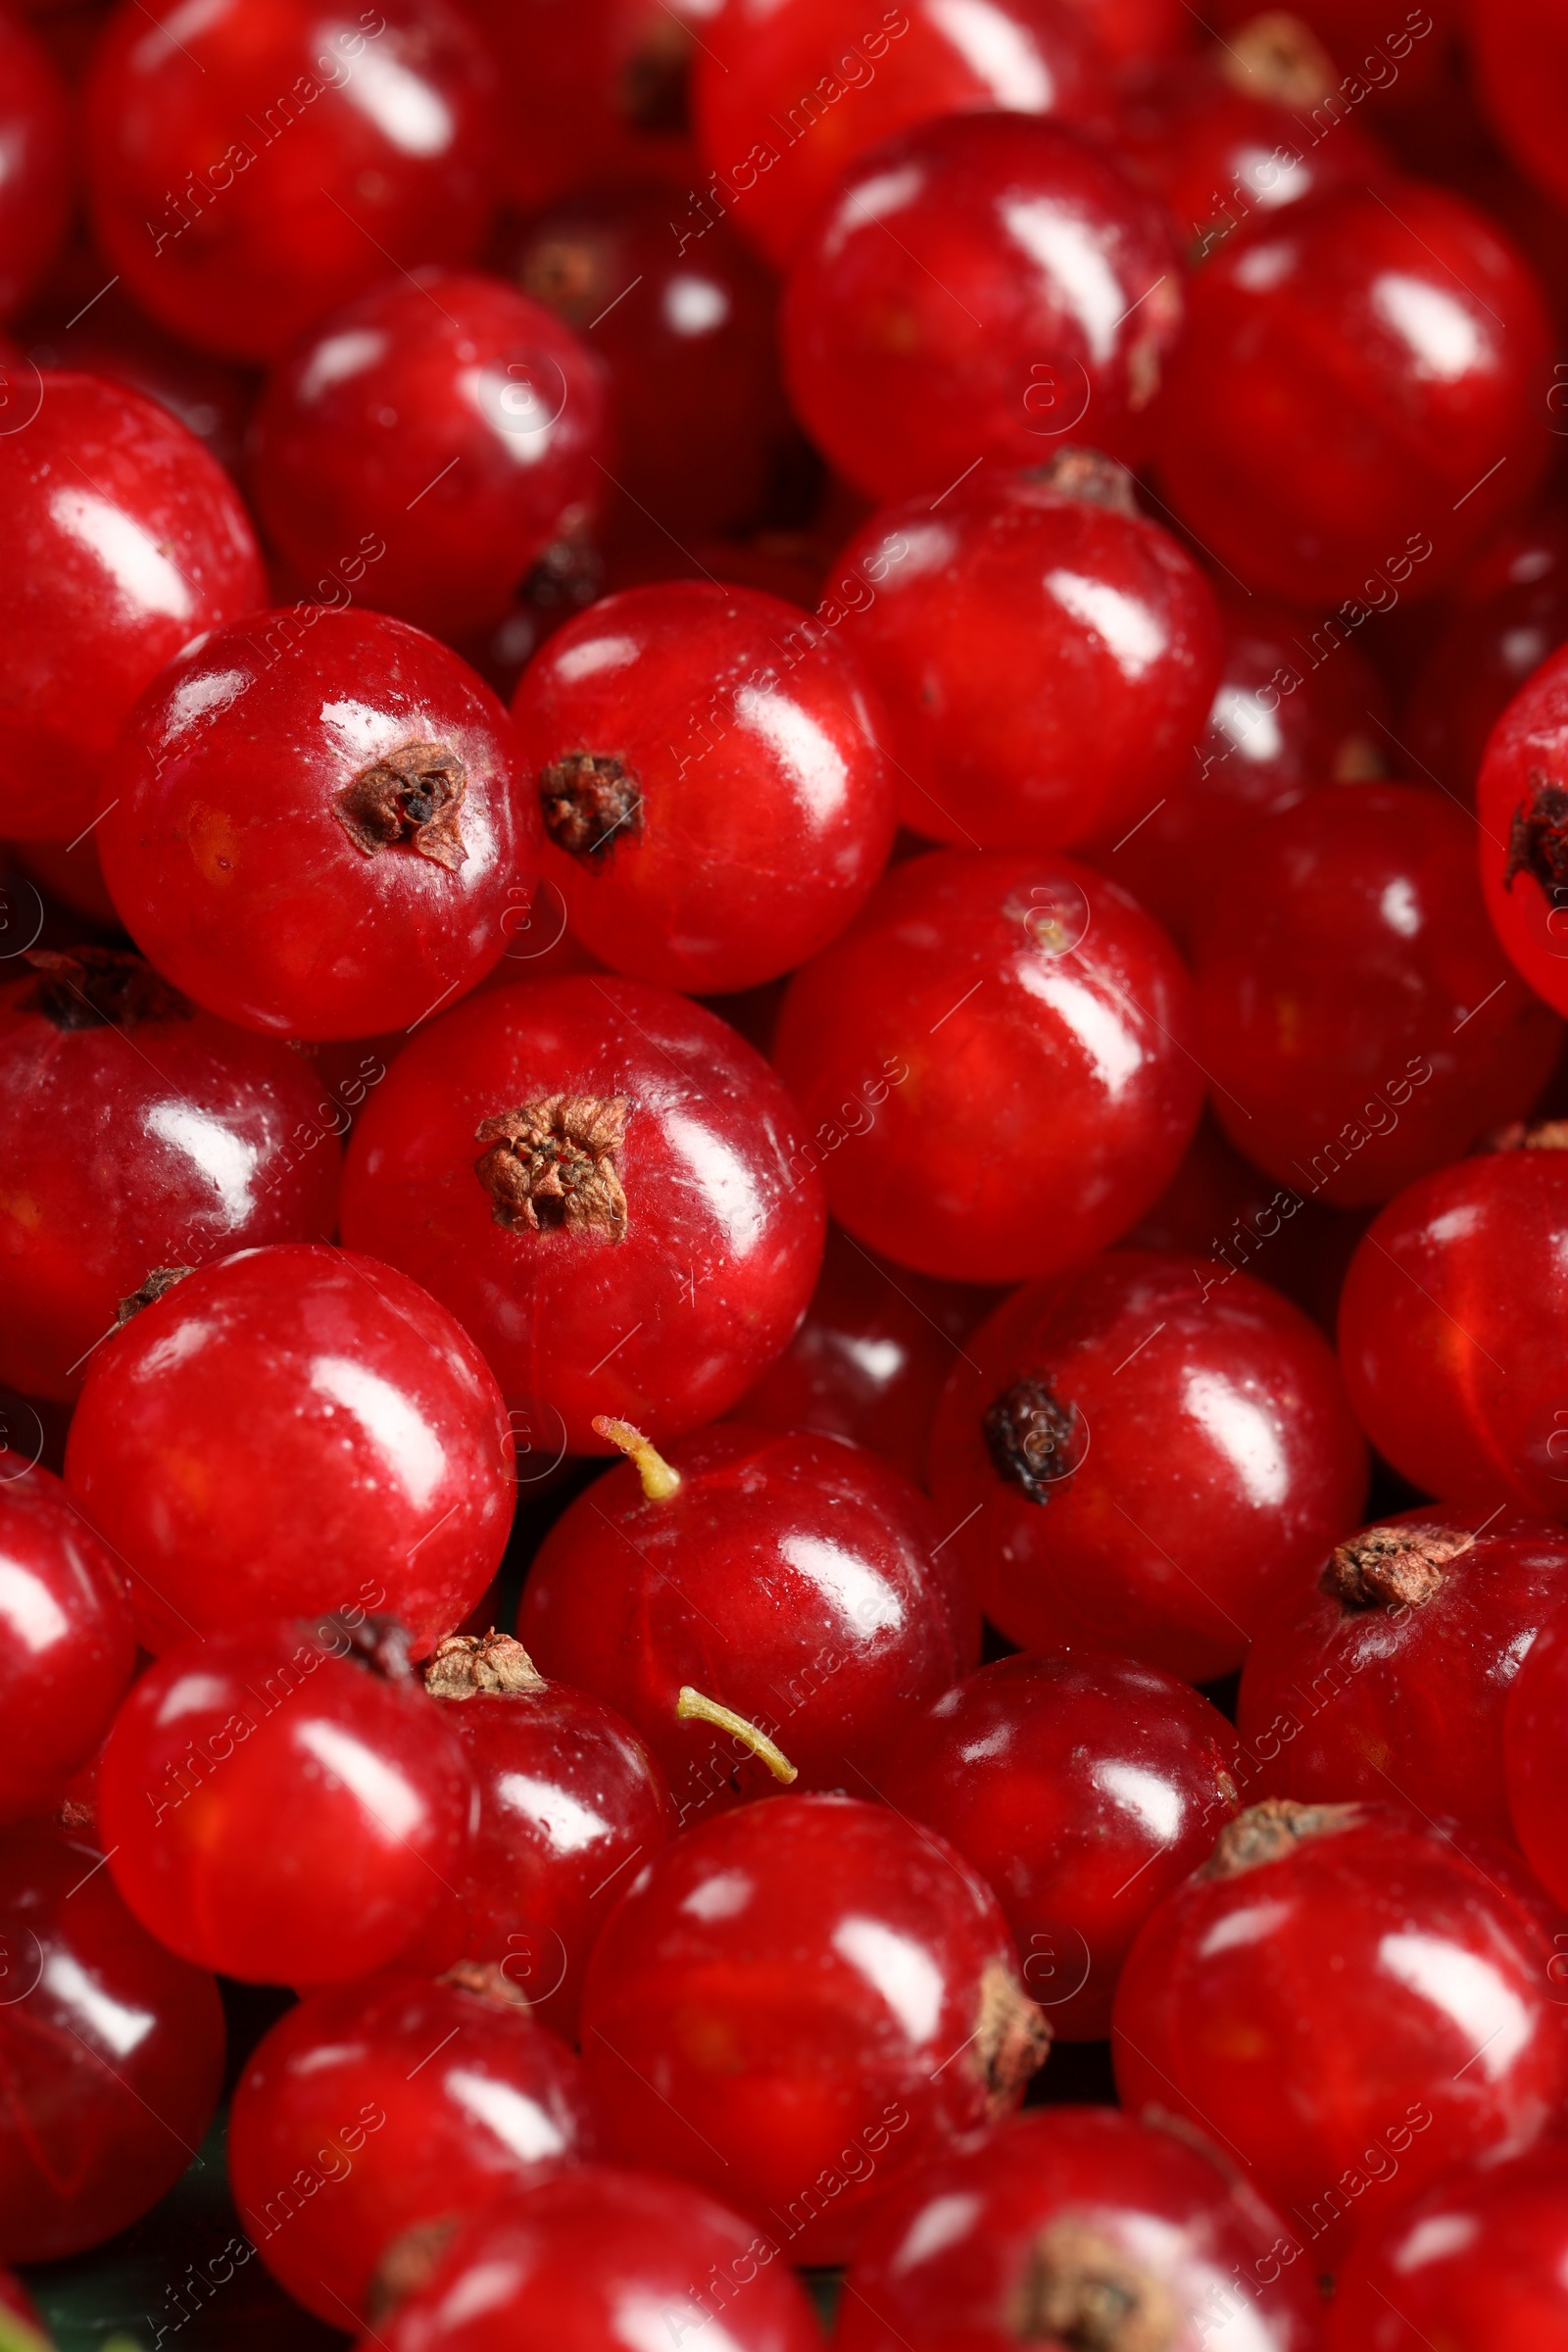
column 1357, row 1023
column 230, row 853
column 1046, row 658
column 928, row 327
column 570, row 1799
column 67, row 1648
column 1381, row 1697
column 1479, row 2264
column 187, row 1140
column 294, row 1429
column 1522, row 800
column 845, row 1966
column 752, row 808
column 964, row 2250
column 992, row 1061
column 108, row 576
column 1535, row 1735
column 278, row 1722
column 786, row 98
column 1507, row 612
column 96, row 2120
column 250, row 173
column 447, row 410
column 793, row 1578
column 1452, row 1325
column 666, row 1326
column 578, row 2260
column 1234, row 2012
column 1520, row 54
column 1196, row 1453
column 393, row 2102
column 1082, row 1789
column 35, row 177
column 1350, row 374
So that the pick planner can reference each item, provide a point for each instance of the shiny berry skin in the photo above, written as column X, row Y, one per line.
column 1522, row 800
column 714, row 797
column 1145, row 1463
column 1357, row 1023
column 793, row 83
column 34, row 162
column 794, row 1579
column 993, row 1064
column 1064, row 2223
column 446, row 416
column 1356, row 398
column 1045, row 653
column 188, row 1139
column 1082, row 1789
column 294, row 1429
column 1479, row 2264
column 1520, row 54
column 111, row 2053
column 978, row 287
column 608, row 1187
column 570, row 1799
column 126, row 540
column 280, row 1722
column 1387, row 1676
column 391, row 2103
column 1534, row 1732
column 799, row 1999
column 252, row 172
column 67, row 1648
column 598, row 2259
column 1451, row 1331
column 1506, row 612
column 318, row 831
column 1344, row 2000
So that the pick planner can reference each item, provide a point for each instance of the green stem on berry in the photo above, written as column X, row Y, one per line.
column 693, row 1707
column 659, row 1479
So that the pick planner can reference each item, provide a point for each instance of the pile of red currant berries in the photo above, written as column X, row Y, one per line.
column 784, row 1176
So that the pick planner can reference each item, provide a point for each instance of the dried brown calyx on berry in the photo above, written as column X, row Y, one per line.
column 654, row 91
column 589, row 804
column 1088, row 474
column 160, row 1280
column 1538, row 836
column 1528, row 1135
column 553, row 1164
column 414, row 794
column 1393, row 1567
column 1011, row 2039
column 1269, row 1832
column 1276, row 57
column 408, row 2264
column 1081, row 2292
column 1033, row 1438
column 488, row 1665
column 100, row 988
column 487, row 1981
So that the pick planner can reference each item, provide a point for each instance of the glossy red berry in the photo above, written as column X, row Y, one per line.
column 1522, row 800
column 445, row 417
column 1387, row 1676
column 1355, row 400
column 978, row 287
column 799, row 1999
column 1479, row 2264
column 290, row 1430
column 1072, row 2225
column 1534, row 1737
column 126, row 540
column 36, row 170
column 1519, row 49
column 251, row 172
column 1508, row 611
column 376, row 2108
column 137, row 1133
column 1347, row 2004
column 318, row 831
column 709, row 767
column 592, row 94
column 993, row 1064
column 67, row 1648
column 1356, row 1021
column 1045, row 653
column 1142, row 1457
column 111, row 2053
column 1082, row 1789
column 319, row 1725
column 607, row 1187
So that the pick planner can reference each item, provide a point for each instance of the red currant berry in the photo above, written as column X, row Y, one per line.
column 1077, row 2226
column 1356, row 1021
column 251, row 172
column 716, row 801
column 372, row 2109
column 111, row 2053
column 318, row 1726
column 1134, row 33
column 36, row 176
column 319, row 830
column 1523, row 803
column 65, row 1643
column 1398, row 71
column 1141, row 1464
column 593, row 93
column 1519, row 49
column 1534, row 1735
column 607, row 1187
column 1045, row 653
column 1507, row 612
column 124, row 540
column 289, row 1430
column 1355, row 402
column 799, row 1999
column 977, row 289
column 1344, row 1999
column 568, row 1799
column 992, row 1063
column 1479, row 2264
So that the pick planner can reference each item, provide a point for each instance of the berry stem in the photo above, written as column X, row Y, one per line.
column 692, row 1707
column 659, row 1479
